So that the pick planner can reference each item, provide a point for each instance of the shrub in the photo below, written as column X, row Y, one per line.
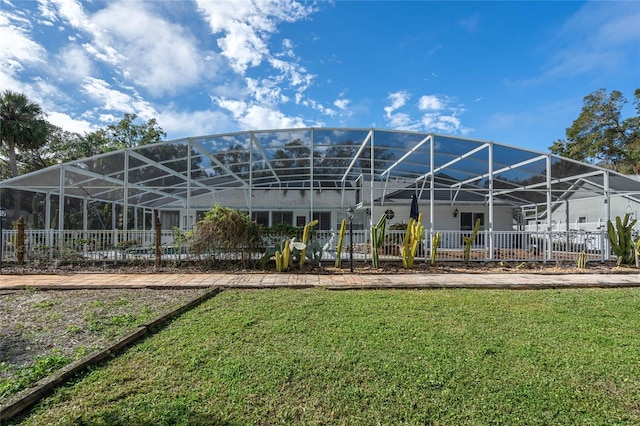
column 226, row 229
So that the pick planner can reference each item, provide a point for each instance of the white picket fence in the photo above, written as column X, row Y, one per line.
column 506, row 246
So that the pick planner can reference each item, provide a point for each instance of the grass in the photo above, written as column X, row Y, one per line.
column 26, row 375
column 44, row 331
column 375, row 357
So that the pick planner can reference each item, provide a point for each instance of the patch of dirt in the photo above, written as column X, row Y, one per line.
column 327, row 267
column 72, row 323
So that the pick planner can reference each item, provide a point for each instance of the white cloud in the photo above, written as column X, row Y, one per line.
column 154, row 53
column 398, row 120
column 254, row 116
column 402, row 121
column 261, row 117
column 441, row 123
column 115, row 100
column 149, row 50
column 114, row 54
column 341, row 103
column 17, row 48
column 47, row 12
column 194, row 123
column 235, row 107
column 287, row 48
column 398, row 100
column 104, row 54
column 266, row 91
column 430, row 102
column 108, row 118
column 437, row 114
column 317, row 106
column 43, row 90
column 600, row 37
column 75, row 64
column 247, row 25
column 70, row 124
column 8, row 81
column 297, row 75
column 603, row 24
column 243, row 26
column 244, row 30
column 70, row 11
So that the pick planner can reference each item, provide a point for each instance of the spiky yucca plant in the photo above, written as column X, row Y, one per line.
column 343, row 230
column 621, row 239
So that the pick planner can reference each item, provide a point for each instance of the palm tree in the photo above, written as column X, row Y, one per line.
column 22, row 126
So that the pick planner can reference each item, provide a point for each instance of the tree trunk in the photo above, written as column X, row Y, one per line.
column 13, row 166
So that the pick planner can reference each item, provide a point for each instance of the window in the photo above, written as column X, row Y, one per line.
column 281, row 217
column 324, row 219
column 261, row 218
column 170, row 219
column 468, row 221
column 582, row 219
column 390, row 214
column 301, row 221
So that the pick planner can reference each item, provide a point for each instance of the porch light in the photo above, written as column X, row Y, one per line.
column 455, row 213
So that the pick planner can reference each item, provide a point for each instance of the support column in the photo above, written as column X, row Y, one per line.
column 372, row 181
column 607, row 214
column 432, row 178
column 189, row 224
column 125, row 198
column 61, row 212
column 85, row 214
column 567, row 239
column 47, row 218
column 549, row 253
column 114, row 230
column 311, row 187
column 249, row 200
column 491, row 241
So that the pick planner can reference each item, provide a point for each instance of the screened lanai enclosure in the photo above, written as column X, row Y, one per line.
column 530, row 205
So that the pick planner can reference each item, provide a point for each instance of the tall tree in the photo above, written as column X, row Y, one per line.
column 66, row 146
column 601, row 136
column 63, row 146
column 127, row 133
column 22, row 126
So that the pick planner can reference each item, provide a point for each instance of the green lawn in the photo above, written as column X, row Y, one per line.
column 447, row 357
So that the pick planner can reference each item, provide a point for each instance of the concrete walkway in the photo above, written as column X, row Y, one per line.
column 331, row 281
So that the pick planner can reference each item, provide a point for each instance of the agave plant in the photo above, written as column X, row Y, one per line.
column 377, row 239
column 412, row 238
column 343, row 228
column 289, row 251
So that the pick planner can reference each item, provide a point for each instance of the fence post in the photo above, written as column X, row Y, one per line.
column 20, row 249
column 158, row 238
column 3, row 214
column 488, row 245
column 426, row 243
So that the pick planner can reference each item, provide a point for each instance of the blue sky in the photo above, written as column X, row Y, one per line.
column 511, row 72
